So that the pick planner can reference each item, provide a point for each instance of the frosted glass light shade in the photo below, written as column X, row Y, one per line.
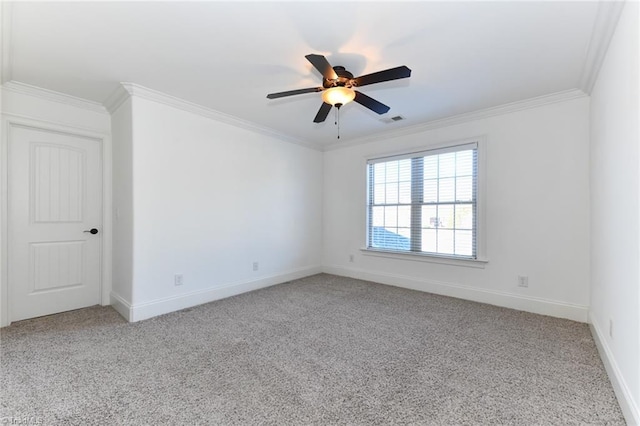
column 338, row 95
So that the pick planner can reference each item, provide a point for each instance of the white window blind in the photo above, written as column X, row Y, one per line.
column 424, row 202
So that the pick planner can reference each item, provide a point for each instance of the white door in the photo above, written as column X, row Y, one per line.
column 55, row 197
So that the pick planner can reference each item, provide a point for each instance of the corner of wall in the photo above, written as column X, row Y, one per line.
column 121, row 306
column 603, row 29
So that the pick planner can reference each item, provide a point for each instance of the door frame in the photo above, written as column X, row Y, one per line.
column 8, row 123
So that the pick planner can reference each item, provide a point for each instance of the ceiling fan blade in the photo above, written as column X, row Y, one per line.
column 294, row 92
column 322, row 113
column 386, row 75
column 371, row 103
column 322, row 65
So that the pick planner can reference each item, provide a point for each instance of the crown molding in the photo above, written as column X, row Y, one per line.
column 126, row 90
column 117, row 98
column 6, row 11
column 50, row 95
column 604, row 27
column 538, row 101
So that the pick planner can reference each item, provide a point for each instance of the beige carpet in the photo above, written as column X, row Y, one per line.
column 321, row 350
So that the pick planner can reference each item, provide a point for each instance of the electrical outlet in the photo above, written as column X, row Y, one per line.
column 610, row 328
column 256, row 266
column 178, row 279
column 351, row 258
column 523, row 281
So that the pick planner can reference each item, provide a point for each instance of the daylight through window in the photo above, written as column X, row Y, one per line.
column 424, row 202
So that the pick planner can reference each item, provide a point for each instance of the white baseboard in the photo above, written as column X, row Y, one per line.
column 628, row 406
column 514, row 301
column 153, row 308
column 121, row 306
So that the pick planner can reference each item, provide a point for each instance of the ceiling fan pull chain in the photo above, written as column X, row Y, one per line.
column 338, row 121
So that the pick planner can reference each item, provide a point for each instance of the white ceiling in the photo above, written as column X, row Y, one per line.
column 227, row 56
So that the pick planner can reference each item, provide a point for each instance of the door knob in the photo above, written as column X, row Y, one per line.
column 93, row 231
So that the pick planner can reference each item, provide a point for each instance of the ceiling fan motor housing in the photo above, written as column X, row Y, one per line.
column 345, row 78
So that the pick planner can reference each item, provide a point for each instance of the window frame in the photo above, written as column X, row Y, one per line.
column 433, row 149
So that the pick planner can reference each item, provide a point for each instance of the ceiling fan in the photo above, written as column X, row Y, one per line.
column 338, row 86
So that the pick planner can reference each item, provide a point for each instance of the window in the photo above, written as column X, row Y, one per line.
column 425, row 202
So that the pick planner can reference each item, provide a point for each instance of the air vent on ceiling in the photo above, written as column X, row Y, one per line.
column 393, row 119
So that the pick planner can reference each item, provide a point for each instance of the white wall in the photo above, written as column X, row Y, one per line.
column 122, row 134
column 615, row 211
column 209, row 199
column 536, row 205
column 31, row 106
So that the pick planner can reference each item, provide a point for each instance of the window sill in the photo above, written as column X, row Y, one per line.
column 419, row 257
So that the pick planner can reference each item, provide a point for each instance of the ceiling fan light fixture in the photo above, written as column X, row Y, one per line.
column 338, row 95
